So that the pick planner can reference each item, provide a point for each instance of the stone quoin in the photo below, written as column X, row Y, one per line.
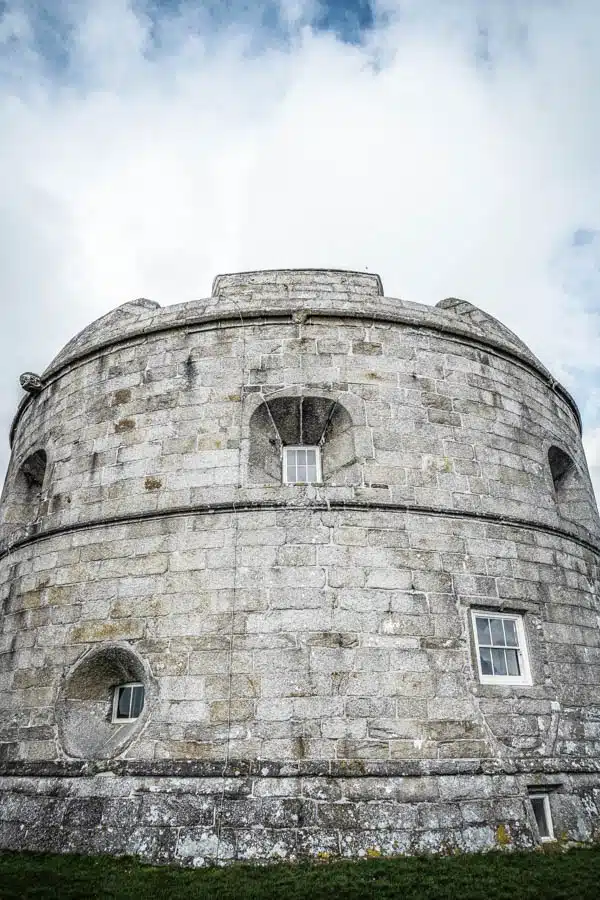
column 297, row 571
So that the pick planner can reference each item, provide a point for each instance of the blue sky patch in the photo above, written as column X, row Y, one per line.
column 52, row 23
column 583, row 236
column 348, row 19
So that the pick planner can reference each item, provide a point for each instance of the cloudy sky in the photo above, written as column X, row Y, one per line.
column 453, row 146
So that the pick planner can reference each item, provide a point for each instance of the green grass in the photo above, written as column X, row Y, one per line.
column 574, row 875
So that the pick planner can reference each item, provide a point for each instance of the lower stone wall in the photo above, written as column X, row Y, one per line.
column 211, row 819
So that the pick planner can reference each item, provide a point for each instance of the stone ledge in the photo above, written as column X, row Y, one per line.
column 318, row 768
column 324, row 503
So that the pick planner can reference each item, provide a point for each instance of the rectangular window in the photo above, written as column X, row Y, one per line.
column 301, row 465
column 501, row 648
column 128, row 702
column 540, row 803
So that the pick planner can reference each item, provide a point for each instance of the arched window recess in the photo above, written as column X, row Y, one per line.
column 300, row 440
column 24, row 494
column 301, row 462
column 561, row 467
column 572, row 490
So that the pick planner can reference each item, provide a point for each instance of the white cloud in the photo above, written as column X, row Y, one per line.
column 137, row 173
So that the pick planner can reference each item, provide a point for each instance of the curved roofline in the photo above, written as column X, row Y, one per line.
column 270, row 289
column 238, row 317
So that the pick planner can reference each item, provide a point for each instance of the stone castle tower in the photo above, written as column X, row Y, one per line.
column 297, row 570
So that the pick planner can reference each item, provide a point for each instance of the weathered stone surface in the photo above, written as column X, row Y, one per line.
column 307, row 653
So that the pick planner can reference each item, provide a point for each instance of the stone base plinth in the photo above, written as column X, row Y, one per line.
column 204, row 813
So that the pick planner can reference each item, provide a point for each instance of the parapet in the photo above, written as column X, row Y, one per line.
column 297, row 282
column 281, row 292
column 128, row 318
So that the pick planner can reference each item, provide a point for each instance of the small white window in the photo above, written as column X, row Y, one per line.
column 501, row 648
column 301, row 465
column 128, row 702
column 540, row 803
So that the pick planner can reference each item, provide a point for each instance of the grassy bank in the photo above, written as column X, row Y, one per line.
column 574, row 875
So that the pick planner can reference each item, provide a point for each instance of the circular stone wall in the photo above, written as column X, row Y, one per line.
column 310, row 653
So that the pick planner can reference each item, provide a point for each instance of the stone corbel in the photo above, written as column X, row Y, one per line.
column 31, row 382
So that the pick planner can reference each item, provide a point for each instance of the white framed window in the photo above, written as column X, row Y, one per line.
column 128, row 702
column 301, row 465
column 540, row 803
column 501, row 648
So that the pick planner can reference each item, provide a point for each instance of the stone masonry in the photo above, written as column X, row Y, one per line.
column 307, row 651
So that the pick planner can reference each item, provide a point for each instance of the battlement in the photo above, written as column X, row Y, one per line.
column 297, row 282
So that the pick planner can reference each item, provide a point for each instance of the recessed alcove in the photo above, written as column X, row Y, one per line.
column 302, row 421
column 572, row 495
column 561, row 467
column 25, row 494
column 87, row 726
